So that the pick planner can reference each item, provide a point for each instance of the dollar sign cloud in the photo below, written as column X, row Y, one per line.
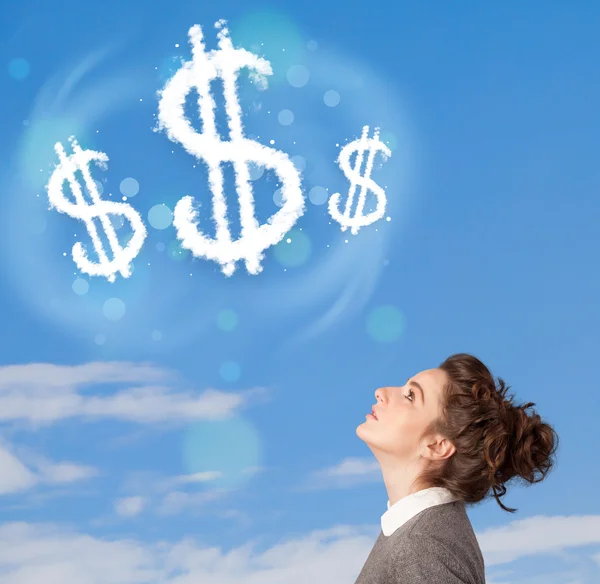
column 80, row 209
column 360, row 146
column 225, row 63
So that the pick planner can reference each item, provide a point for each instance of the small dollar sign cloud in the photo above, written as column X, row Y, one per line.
column 360, row 146
column 80, row 209
column 198, row 73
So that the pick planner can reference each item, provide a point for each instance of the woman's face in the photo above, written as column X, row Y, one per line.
column 402, row 414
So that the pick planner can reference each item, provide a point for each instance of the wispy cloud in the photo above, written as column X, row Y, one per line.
column 14, row 475
column 50, row 554
column 169, row 495
column 350, row 472
column 45, row 552
column 18, row 475
column 173, row 499
column 538, row 535
column 130, row 506
column 66, row 472
column 43, row 394
column 176, row 502
column 174, row 495
column 59, row 376
column 194, row 478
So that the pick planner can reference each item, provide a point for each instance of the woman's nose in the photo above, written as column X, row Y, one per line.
column 379, row 394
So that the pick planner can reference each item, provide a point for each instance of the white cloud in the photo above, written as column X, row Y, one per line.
column 197, row 477
column 49, row 553
column 544, row 576
column 16, row 475
column 351, row 467
column 130, row 506
column 60, row 376
column 176, row 502
column 167, row 493
column 538, row 535
column 66, row 472
column 351, row 471
column 44, row 394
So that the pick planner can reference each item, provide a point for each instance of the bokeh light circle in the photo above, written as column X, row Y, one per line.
column 298, row 75
column 229, row 448
column 117, row 221
column 156, row 335
column 114, row 309
column 230, row 371
column 19, row 68
column 160, row 216
column 318, row 195
column 294, row 249
column 331, row 98
column 256, row 171
column 100, row 339
column 80, row 286
column 389, row 139
column 299, row 162
column 176, row 252
column 129, row 187
column 278, row 197
column 227, row 320
column 269, row 32
column 285, row 117
column 385, row 324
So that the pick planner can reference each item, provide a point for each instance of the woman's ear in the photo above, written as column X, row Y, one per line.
column 439, row 449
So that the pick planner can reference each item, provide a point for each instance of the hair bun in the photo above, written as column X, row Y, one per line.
column 495, row 439
column 530, row 444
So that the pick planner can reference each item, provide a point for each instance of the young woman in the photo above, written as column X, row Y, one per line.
column 447, row 438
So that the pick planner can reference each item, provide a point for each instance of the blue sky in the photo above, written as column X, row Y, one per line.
column 208, row 432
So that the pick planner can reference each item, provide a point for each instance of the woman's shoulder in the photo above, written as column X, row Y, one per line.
column 444, row 535
column 444, row 519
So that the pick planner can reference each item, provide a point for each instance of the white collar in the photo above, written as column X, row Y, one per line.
column 407, row 507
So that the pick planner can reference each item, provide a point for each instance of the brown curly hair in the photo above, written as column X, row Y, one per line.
column 495, row 439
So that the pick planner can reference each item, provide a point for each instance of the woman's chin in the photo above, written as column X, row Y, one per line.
column 361, row 431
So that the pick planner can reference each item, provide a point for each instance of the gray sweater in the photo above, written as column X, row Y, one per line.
column 436, row 546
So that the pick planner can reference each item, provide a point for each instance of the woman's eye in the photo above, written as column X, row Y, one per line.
column 410, row 395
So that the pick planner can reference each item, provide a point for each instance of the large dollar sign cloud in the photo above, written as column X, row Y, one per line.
column 360, row 146
column 204, row 67
column 80, row 209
